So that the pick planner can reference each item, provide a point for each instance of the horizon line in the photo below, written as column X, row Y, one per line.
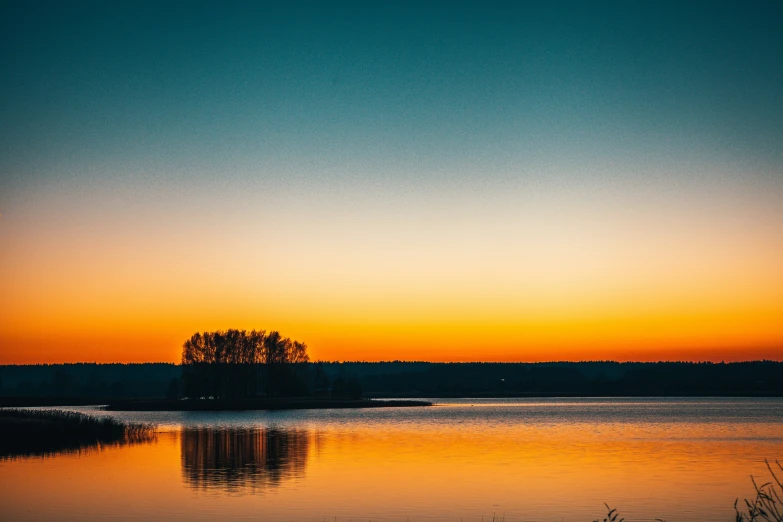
column 398, row 361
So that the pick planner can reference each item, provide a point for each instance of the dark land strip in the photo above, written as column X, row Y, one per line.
column 289, row 403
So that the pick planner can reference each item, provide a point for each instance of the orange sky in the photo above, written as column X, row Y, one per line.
column 84, row 279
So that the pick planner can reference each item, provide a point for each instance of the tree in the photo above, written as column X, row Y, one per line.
column 231, row 363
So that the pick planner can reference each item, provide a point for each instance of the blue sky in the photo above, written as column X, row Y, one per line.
column 372, row 86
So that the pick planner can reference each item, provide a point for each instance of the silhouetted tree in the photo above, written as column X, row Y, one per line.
column 231, row 363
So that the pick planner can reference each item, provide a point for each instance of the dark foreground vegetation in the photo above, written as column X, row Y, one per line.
column 41, row 432
column 767, row 506
column 276, row 403
column 71, row 384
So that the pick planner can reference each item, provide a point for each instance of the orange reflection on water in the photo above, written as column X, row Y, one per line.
column 547, row 471
column 553, row 472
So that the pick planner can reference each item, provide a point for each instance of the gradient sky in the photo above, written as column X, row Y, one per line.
column 446, row 181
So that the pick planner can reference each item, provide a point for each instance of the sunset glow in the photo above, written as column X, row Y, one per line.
column 530, row 189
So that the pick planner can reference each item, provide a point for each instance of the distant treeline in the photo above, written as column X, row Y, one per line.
column 88, row 380
column 758, row 378
column 416, row 379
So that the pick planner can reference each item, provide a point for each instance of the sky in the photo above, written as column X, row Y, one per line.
column 440, row 181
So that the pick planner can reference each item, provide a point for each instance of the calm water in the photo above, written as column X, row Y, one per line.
column 538, row 459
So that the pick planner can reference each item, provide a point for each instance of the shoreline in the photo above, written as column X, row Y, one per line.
column 44, row 432
column 296, row 403
column 370, row 401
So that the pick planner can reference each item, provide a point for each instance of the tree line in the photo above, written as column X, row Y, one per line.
column 90, row 383
column 237, row 363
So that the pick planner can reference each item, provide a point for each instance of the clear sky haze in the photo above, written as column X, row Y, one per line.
column 445, row 181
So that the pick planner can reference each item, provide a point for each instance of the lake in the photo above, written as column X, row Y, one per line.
column 463, row 459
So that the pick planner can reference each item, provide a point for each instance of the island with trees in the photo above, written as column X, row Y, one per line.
column 254, row 370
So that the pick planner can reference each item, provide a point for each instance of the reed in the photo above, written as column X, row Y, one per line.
column 613, row 516
column 42, row 432
column 768, row 504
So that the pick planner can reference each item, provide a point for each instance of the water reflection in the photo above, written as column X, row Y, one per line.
column 237, row 458
column 677, row 459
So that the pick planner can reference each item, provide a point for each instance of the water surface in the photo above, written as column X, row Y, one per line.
column 535, row 459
